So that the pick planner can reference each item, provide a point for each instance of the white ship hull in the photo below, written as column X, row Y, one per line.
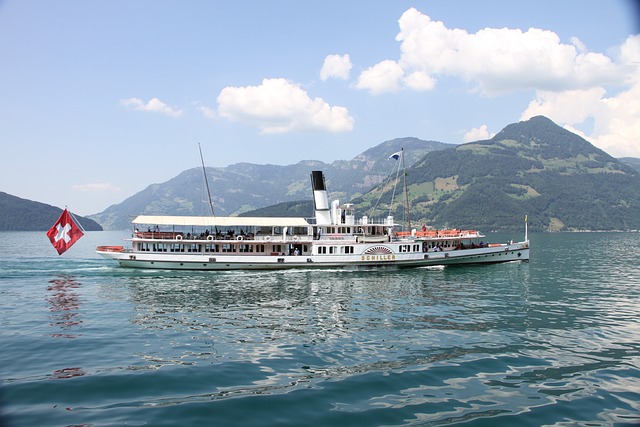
column 332, row 239
column 205, row 261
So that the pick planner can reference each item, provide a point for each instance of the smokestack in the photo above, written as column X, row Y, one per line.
column 320, row 198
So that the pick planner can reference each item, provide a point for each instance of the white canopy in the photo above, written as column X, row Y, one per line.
column 221, row 221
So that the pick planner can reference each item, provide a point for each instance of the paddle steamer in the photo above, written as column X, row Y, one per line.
column 334, row 238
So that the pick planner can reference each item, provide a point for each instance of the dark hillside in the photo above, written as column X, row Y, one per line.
column 18, row 214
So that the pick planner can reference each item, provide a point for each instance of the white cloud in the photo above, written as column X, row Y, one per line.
column 382, row 77
column 616, row 118
column 478, row 134
column 336, row 66
column 419, row 81
column 571, row 106
column 279, row 106
column 630, row 50
column 496, row 60
column 154, row 105
column 571, row 84
column 97, row 187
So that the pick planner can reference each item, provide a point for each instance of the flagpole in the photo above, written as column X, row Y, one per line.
column 75, row 219
column 406, row 194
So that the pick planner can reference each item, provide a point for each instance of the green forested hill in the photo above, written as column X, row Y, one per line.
column 18, row 214
column 533, row 168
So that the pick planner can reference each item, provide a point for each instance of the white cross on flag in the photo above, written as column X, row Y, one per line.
column 64, row 233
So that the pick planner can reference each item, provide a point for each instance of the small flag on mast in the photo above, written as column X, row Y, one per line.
column 64, row 233
column 396, row 156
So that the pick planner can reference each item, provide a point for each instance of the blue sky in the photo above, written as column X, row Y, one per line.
column 98, row 100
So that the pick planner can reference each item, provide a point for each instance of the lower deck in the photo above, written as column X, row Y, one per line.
column 316, row 255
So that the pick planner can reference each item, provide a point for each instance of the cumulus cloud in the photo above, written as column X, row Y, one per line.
column 572, row 85
column 571, row 106
column 382, row 77
column 336, row 66
column 616, row 117
column 495, row 60
column 478, row 134
column 154, row 105
column 419, row 81
column 279, row 106
column 97, row 187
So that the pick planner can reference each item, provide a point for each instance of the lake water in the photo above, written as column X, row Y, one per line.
column 555, row 341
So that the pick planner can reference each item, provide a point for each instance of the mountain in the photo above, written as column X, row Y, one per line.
column 18, row 214
column 242, row 187
column 634, row 162
column 533, row 168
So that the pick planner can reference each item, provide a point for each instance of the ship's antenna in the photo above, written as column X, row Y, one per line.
column 206, row 181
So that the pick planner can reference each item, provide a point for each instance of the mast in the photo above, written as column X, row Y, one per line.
column 206, row 181
column 406, row 194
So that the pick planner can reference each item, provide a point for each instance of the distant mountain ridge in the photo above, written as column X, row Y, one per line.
column 17, row 214
column 243, row 187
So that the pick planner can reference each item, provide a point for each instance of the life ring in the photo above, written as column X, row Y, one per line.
column 210, row 237
column 240, row 238
column 267, row 238
column 178, row 237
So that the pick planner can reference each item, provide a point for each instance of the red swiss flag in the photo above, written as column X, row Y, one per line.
column 64, row 233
